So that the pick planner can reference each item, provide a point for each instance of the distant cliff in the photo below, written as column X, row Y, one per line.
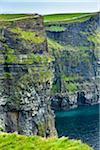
column 75, row 44
column 25, row 76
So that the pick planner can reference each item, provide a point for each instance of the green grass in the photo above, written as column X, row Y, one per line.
column 19, row 142
column 49, row 19
column 69, row 78
column 54, row 89
column 95, row 37
column 53, row 44
column 55, row 28
column 2, row 59
column 36, row 59
column 62, row 18
column 71, row 87
column 7, row 75
column 29, row 35
column 12, row 17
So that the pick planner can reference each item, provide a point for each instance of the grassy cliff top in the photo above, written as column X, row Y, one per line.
column 13, row 17
column 19, row 142
column 49, row 19
column 62, row 18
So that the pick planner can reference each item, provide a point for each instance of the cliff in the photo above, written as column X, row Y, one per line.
column 25, row 76
column 74, row 42
column 39, row 71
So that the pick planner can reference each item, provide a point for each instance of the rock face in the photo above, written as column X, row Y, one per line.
column 75, row 47
column 25, row 77
column 36, row 73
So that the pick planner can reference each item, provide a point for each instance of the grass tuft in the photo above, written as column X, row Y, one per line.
column 19, row 142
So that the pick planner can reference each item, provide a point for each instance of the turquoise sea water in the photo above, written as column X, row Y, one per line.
column 80, row 123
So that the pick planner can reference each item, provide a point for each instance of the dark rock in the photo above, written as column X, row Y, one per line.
column 24, row 94
column 76, row 64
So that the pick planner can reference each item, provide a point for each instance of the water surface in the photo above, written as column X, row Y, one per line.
column 80, row 123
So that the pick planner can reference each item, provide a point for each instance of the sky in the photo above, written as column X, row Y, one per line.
column 48, row 0
column 48, row 6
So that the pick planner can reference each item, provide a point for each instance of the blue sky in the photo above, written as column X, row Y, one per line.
column 48, row 6
column 48, row 0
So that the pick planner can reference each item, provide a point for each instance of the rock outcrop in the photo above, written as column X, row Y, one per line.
column 75, row 46
column 25, row 77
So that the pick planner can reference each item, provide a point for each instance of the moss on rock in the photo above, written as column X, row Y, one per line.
column 55, row 28
column 31, row 36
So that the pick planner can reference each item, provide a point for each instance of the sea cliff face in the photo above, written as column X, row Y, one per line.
column 25, row 77
column 75, row 46
column 38, row 71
